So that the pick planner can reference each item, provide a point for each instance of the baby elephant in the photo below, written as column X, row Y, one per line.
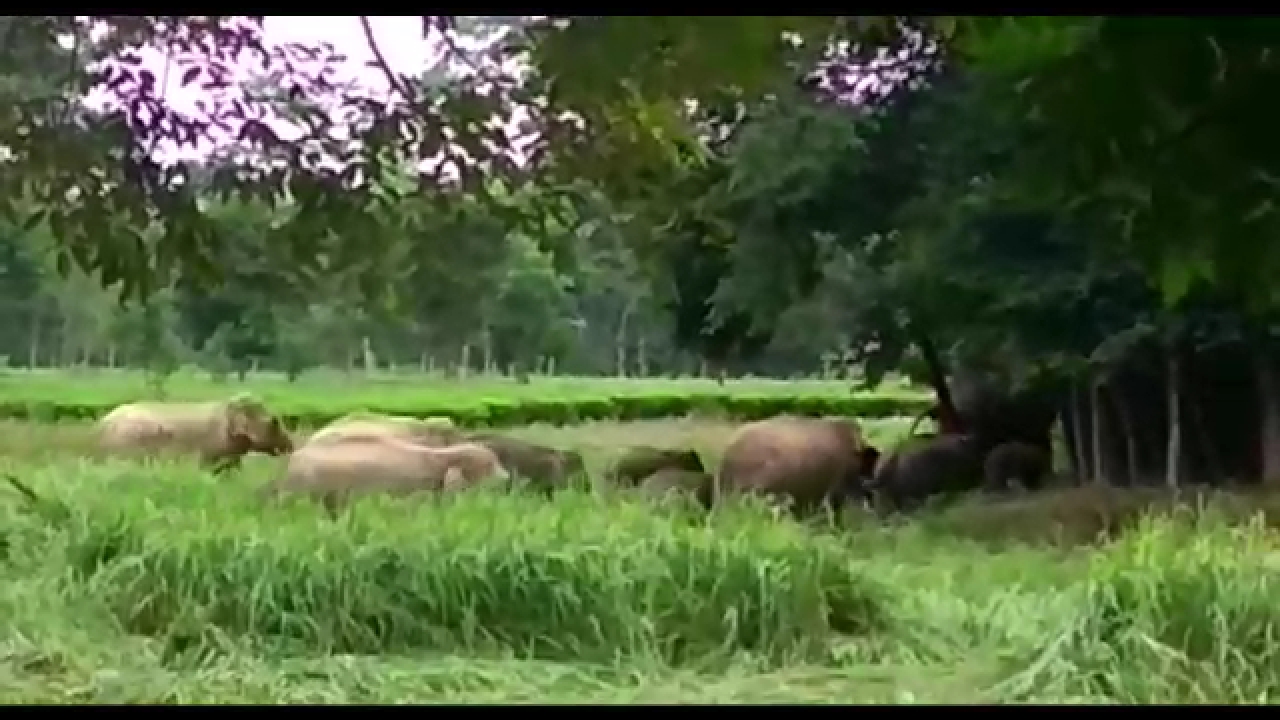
column 671, row 480
column 642, row 461
column 545, row 468
column 1015, row 461
column 333, row 472
column 925, row 467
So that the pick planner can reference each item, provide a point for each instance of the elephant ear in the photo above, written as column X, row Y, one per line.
column 244, row 413
column 237, row 423
column 240, row 443
column 247, row 403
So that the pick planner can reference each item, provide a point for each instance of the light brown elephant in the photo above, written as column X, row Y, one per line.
column 641, row 461
column 218, row 432
column 430, row 431
column 808, row 460
column 545, row 468
column 335, row 471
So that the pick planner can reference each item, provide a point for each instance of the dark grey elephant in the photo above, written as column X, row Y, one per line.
column 1011, row 462
column 923, row 467
column 995, row 416
column 544, row 468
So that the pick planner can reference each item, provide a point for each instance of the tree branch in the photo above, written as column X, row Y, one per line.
column 392, row 79
column 72, row 71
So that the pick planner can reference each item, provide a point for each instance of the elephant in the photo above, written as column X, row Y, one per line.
column 1023, row 462
column 545, row 468
column 668, row 480
column 219, row 433
column 639, row 462
column 335, row 471
column 995, row 416
column 927, row 466
column 431, row 431
column 811, row 461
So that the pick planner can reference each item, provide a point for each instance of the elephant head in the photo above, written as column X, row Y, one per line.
column 924, row 467
column 253, row 428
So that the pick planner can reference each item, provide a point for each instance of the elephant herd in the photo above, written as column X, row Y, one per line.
column 806, row 461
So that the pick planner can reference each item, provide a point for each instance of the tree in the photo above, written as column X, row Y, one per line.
column 942, row 190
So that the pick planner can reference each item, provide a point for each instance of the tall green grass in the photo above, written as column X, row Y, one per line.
column 163, row 583
column 177, row 555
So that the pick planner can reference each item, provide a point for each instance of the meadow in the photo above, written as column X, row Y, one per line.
column 133, row 582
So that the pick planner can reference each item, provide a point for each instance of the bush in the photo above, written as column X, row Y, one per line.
column 497, row 412
column 1180, row 610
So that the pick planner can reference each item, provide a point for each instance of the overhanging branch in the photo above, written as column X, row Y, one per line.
column 393, row 80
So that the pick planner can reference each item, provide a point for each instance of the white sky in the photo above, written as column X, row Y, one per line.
column 399, row 38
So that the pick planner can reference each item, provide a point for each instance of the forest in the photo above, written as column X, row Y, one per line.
column 1063, row 228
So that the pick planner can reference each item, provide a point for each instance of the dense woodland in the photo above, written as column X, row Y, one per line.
column 473, row 293
column 1079, row 212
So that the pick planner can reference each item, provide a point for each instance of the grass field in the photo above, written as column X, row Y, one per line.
column 163, row 584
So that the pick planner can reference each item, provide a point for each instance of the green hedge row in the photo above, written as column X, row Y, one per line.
column 494, row 413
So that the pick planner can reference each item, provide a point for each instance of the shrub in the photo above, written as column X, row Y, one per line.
column 1181, row 610
column 557, row 411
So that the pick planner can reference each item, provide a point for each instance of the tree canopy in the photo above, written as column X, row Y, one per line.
column 1150, row 125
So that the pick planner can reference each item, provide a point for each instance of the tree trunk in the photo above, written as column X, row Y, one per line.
column 1095, row 409
column 1079, row 451
column 1212, row 459
column 620, row 337
column 1129, row 430
column 66, row 346
column 1173, row 458
column 1268, row 381
column 948, row 418
column 33, row 347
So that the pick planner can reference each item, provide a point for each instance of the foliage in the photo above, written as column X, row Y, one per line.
column 1179, row 169
column 629, row 100
column 552, row 401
